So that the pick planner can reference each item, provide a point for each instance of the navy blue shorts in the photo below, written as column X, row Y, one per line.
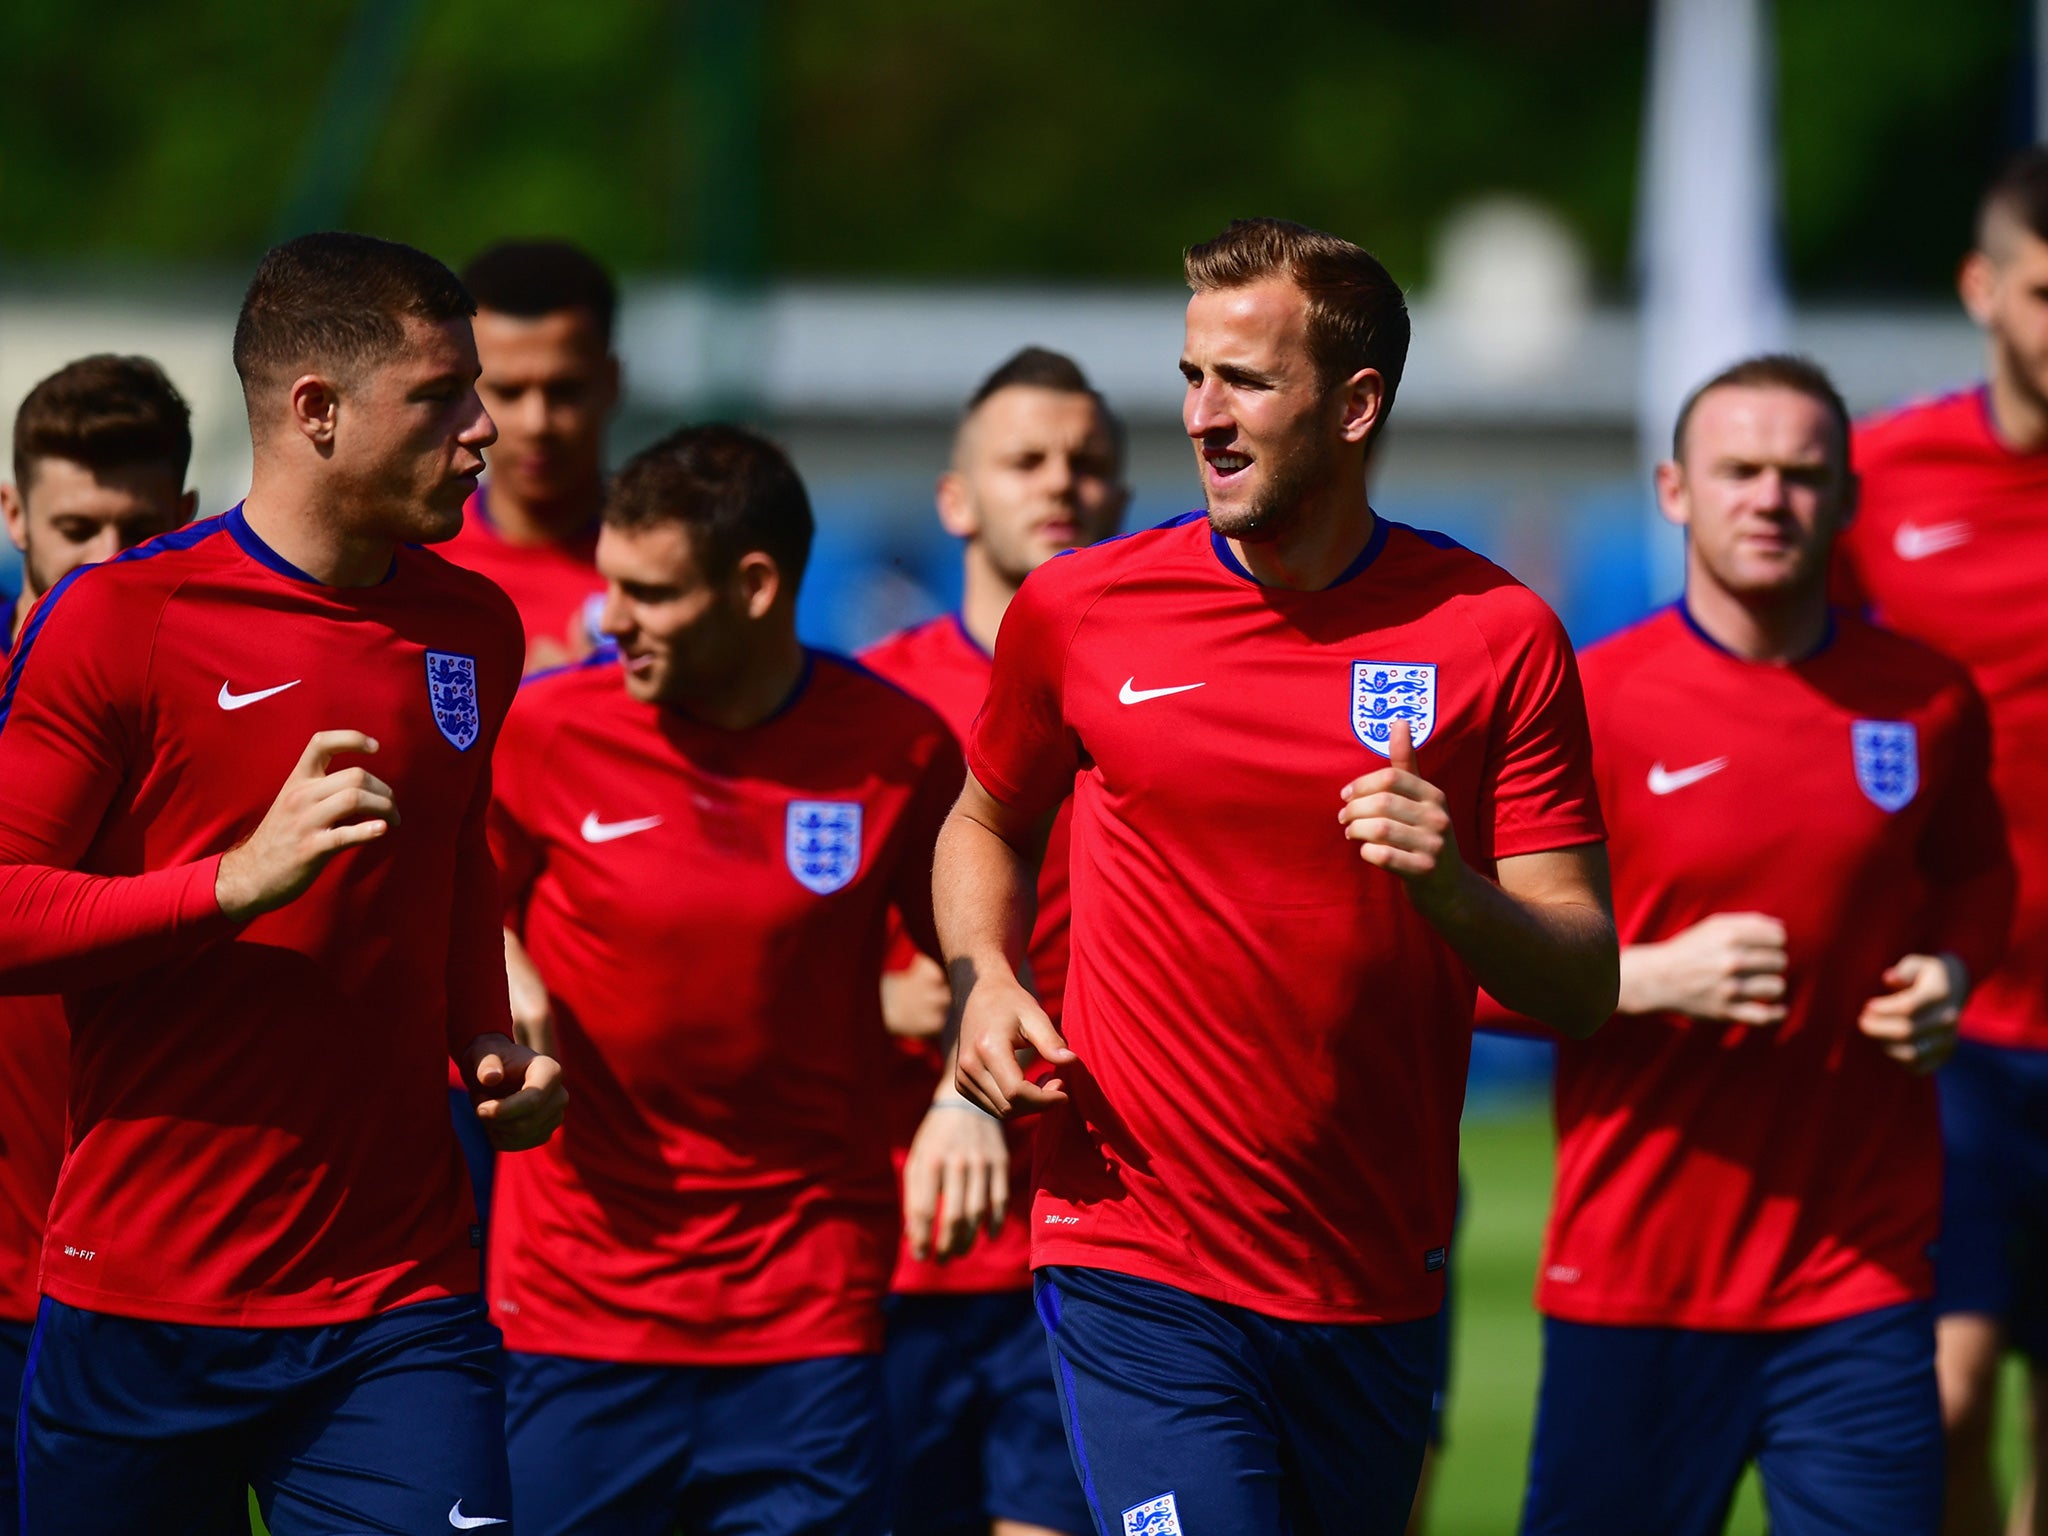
column 13, row 1356
column 1993, row 1257
column 477, row 1151
column 1648, row 1429
column 1190, row 1415
column 974, row 1419
column 393, row 1424
column 605, row 1449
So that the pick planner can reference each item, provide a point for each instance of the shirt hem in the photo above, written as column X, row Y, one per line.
column 520, row 1340
column 1769, row 1319
column 157, row 1309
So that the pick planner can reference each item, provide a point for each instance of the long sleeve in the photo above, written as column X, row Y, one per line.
column 69, row 736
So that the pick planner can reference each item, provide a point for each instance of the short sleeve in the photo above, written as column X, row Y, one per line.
column 1021, row 748
column 1540, row 780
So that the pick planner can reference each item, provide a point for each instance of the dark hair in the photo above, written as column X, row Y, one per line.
column 104, row 412
column 1771, row 370
column 531, row 278
column 1357, row 317
column 735, row 493
column 338, row 301
column 1043, row 368
column 2020, row 191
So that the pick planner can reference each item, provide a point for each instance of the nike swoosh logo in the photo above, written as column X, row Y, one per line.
column 595, row 831
column 1912, row 541
column 463, row 1522
column 231, row 700
column 1664, row 782
column 1132, row 695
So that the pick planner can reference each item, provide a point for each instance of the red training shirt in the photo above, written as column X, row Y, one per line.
column 1272, row 1042
column 259, row 1125
column 555, row 587
column 942, row 664
column 33, row 1082
column 1950, row 546
column 1731, row 1176
column 709, row 908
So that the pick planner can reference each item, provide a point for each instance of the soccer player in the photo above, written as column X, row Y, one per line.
column 701, row 842
column 550, row 381
column 1809, row 867
column 1327, row 769
column 1950, row 547
column 244, row 835
column 100, row 452
column 1037, row 469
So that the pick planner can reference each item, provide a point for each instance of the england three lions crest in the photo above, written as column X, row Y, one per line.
column 823, row 843
column 1887, row 756
column 1385, row 691
column 451, row 689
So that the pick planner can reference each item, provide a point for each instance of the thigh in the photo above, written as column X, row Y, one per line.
column 397, row 1425
column 1354, row 1405
column 1167, row 1409
column 1026, row 1470
column 794, row 1449
column 130, row 1428
column 1851, row 1437
column 1639, row 1429
column 597, row 1448
column 13, row 1356
column 936, row 1415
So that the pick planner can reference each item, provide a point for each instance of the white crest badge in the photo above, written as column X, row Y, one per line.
column 451, row 690
column 1385, row 691
column 1887, row 761
column 823, row 843
column 1154, row 1517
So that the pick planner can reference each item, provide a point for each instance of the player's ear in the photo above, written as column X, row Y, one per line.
column 187, row 505
column 610, row 382
column 16, row 511
column 1364, row 402
column 956, row 507
column 1671, row 497
column 314, row 405
column 1977, row 284
column 759, row 582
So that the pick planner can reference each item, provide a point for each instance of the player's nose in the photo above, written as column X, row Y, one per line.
column 1204, row 412
column 479, row 432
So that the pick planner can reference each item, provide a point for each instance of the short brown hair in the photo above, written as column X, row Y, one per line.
column 1043, row 368
column 338, row 301
column 1771, row 370
column 532, row 278
column 1357, row 317
column 104, row 412
column 2020, row 192
column 734, row 491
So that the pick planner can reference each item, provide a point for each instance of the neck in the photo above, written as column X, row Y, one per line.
column 985, row 597
column 1329, row 533
column 19, row 617
column 523, row 522
column 1787, row 628
column 760, row 690
column 311, row 530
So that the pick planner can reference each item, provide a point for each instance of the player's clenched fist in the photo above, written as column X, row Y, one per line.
column 314, row 817
column 1402, row 823
column 1724, row 969
column 518, row 1092
column 1002, row 1018
column 1915, row 1021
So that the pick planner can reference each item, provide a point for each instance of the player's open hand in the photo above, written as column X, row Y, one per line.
column 1402, row 824
column 518, row 1092
column 956, row 1179
column 1000, row 1019
column 533, row 1012
column 1724, row 969
column 1915, row 1022
column 916, row 999
column 314, row 817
